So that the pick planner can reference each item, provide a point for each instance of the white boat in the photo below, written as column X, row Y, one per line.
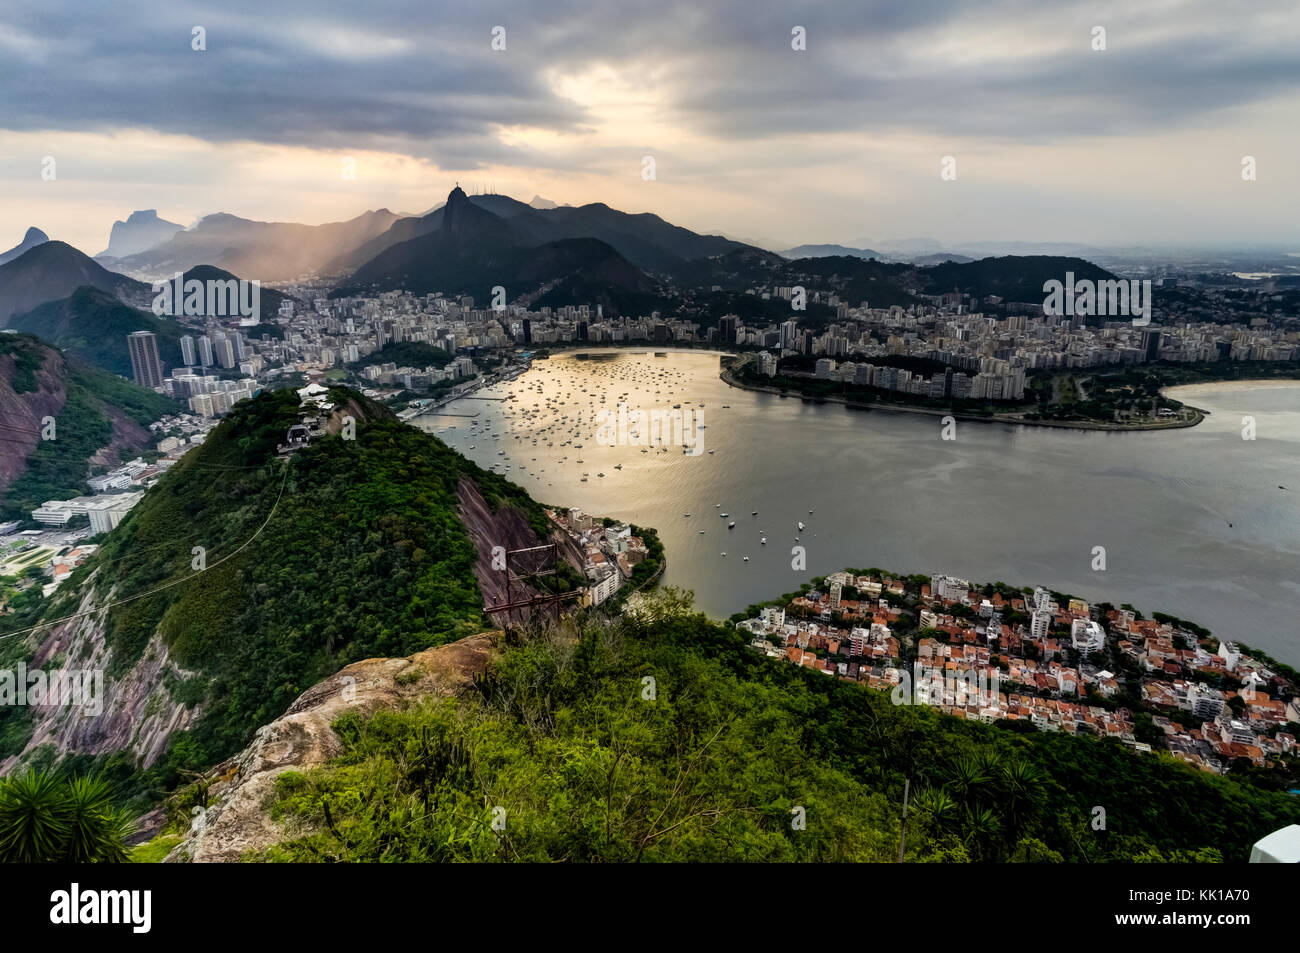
column 763, row 540
column 801, row 527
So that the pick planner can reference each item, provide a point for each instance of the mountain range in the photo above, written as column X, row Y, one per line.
column 141, row 231
column 30, row 240
column 468, row 247
column 542, row 255
column 54, row 270
column 825, row 251
column 645, row 240
column 265, row 251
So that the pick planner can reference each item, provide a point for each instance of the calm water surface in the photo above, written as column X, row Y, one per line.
column 1194, row 521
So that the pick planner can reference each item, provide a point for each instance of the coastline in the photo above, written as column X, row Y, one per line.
column 731, row 380
column 1230, row 385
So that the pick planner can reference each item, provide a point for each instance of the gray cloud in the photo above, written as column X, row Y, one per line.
column 421, row 78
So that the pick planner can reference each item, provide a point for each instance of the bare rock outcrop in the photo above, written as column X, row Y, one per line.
column 22, row 413
column 236, row 821
column 508, row 528
column 131, row 710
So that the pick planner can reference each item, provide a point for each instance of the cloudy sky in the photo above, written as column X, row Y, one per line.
column 1053, row 140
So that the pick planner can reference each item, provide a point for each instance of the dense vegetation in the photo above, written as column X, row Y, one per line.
column 406, row 354
column 569, row 746
column 57, row 469
column 348, row 549
column 44, row 819
column 92, row 325
column 1137, row 389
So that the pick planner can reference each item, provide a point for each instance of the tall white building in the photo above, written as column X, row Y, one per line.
column 1039, row 624
column 949, row 587
column 1087, row 636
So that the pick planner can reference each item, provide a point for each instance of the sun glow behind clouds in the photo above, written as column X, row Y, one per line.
column 1053, row 141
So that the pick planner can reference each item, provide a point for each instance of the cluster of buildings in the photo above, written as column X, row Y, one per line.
column 996, row 380
column 989, row 345
column 610, row 553
column 389, row 374
column 62, row 564
column 207, row 394
column 1023, row 656
column 113, row 494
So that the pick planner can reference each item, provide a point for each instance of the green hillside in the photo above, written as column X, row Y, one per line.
column 57, row 469
column 348, row 549
column 407, row 354
column 721, row 764
column 93, row 325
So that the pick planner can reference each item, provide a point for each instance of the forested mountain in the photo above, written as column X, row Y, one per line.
column 93, row 325
column 54, row 270
column 473, row 250
column 98, row 417
column 347, row 549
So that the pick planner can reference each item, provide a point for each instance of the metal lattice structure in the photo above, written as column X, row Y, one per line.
column 524, row 568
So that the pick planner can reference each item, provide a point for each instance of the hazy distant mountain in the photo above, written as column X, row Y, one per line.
column 141, row 231
column 645, row 240
column 266, row 251
column 538, row 202
column 33, row 238
column 1068, row 249
column 825, row 251
column 938, row 258
column 471, row 250
column 54, row 270
column 93, row 325
column 904, row 247
column 1012, row 277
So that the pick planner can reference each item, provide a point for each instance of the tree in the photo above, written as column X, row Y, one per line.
column 44, row 819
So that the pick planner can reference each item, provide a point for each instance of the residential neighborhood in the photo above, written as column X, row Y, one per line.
column 1000, row 655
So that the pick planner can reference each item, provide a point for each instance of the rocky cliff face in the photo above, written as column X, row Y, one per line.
column 28, row 396
column 135, row 712
column 235, row 821
column 508, row 528
column 22, row 413
column 141, row 231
